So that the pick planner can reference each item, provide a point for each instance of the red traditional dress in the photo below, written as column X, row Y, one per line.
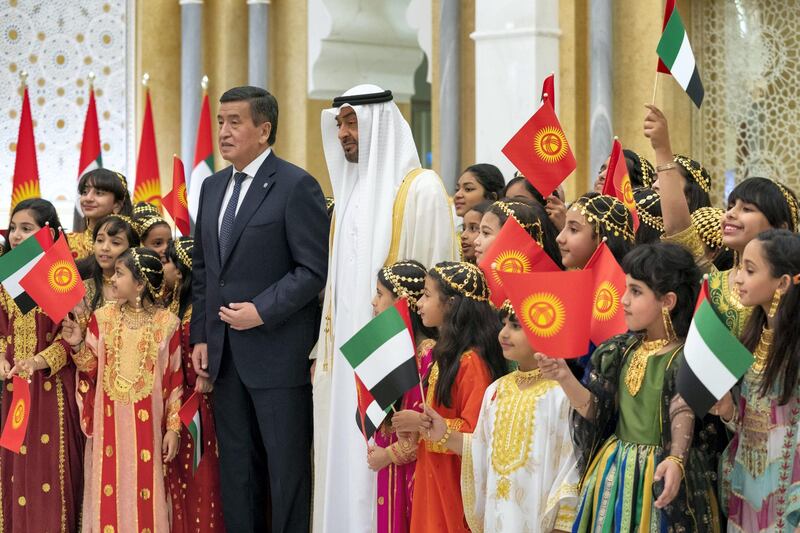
column 195, row 495
column 130, row 386
column 42, row 486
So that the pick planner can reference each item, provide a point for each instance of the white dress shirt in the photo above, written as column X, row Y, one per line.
column 250, row 170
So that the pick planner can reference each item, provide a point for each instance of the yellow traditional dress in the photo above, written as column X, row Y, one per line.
column 81, row 243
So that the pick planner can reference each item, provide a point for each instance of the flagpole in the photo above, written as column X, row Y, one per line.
column 655, row 88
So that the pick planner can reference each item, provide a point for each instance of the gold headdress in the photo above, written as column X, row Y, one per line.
column 608, row 212
column 144, row 209
column 401, row 285
column 122, row 180
column 791, row 201
column 143, row 224
column 155, row 292
column 183, row 249
column 698, row 174
column 507, row 309
column 472, row 284
column 533, row 228
column 128, row 220
column 646, row 201
column 708, row 222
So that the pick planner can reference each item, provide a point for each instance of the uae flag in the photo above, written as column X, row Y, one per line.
column 554, row 308
column 541, row 152
column 608, row 315
column 203, row 157
column 676, row 55
column 18, row 414
column 513, row 250
column 382, row 354
column 549, row 90
column 175, row 202
column 19, row 261
column 148, row 179
column 25, row 183
column 54, row 282
column 714, row 359
column 618, row 183
column 189, row 414
column 91, row 155
column 369, row 414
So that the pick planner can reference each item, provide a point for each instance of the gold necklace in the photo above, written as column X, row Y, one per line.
column 638, row 367
column 108, row 281
column 526, row 378
column 130, row 389
column 763, row 349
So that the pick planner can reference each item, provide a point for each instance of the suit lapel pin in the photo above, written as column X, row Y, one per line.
column 265, row 185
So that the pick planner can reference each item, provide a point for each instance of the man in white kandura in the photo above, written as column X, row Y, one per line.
column 387, row 208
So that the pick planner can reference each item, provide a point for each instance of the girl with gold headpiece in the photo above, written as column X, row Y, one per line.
column 130, row 385
column 394, row 459
column 154, row 231
column 466, row 359
column 102, row 192
column 42, row 485
column 518, row 468
column 644, row 459
column 754, row 205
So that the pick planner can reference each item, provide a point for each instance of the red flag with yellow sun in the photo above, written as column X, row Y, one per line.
column 26, row 171
column 618, row 183
column 176, row 202
column 17, row 420
column 148, row 179
column 513, row 250
column 608, row 315
column 54, row 282
column 541, row 152
column 554, row 308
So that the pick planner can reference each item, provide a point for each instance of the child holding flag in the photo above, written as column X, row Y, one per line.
column 42, row 485
column 760, row 469
column 518, row 470
column 466, row 359
column 632, row 431
column 130, row 377
column 193, row 477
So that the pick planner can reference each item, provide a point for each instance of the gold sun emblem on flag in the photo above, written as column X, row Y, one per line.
column 627, row 194
column 550, row 144
column 62, row 276
column 543, row 313
column 606, row 301
column 182, row 195
column 29, row 189
column 510, row 261
column 148, row 191
column 18, row 414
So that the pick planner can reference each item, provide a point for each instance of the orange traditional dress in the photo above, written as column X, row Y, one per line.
column 42, row 486
column 130, row 386
column 437, row 502
column 195, row 494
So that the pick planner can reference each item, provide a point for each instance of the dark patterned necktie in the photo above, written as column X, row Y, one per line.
column 226, row 228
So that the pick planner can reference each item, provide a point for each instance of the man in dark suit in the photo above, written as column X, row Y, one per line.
column 260, row 260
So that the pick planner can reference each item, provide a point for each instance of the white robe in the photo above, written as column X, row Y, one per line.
column 532, row 494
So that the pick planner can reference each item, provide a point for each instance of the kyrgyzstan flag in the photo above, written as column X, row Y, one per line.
column 608, row 316
column 513, row 250
column 25, row 183
column 15, row 264
column 176, row 202
column 17, row 420
column 618, row 183
column 549, row 90
column 54, row 282
column 91, row 155
column 554, row 308
column 541, row 152
column 148, row 179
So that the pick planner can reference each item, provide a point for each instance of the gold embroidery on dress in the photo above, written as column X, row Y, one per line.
column 756, row 426
column 81, row 244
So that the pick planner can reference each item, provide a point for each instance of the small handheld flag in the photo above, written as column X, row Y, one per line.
column 189, row 413
column 549, row 90
column 18, row 415
column 608, row 315
column 618, row 183
column 676, row 55
column 19, row 261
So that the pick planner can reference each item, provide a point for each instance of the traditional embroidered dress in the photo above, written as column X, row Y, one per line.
column 195, row 495
column 396, row 481
column 518, row 469
column 82, row 243
column 638, row 420
column 437, row 491
column 42, row 486
column 760, row 470
column 131, row 385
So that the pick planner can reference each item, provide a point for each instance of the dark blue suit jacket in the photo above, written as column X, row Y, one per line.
column 278, row 260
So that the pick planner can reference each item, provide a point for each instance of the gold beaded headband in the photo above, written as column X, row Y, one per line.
column 643, row 206
column 145, row 209
column 704, row 181
column 533, row 228
column 791, row 201
column 143, row 225
column 606, row 220
column 122, row 180
column 507, row 308
column 647, row 171
column 707, row 220
column 183, row 249
column 124, row 218
column 155, row 292
column 400, row 290
column 474, row 284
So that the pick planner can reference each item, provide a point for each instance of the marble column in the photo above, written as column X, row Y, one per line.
column 601, row 92
column 258, row 42
column 449, row 92
column 191, row 73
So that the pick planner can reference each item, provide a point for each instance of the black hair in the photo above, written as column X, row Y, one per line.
column 782, row 252
column 107, row 180
column 648, row 208
column 480, row 207
column 768, row 197
column 640, row 170
column 263, row 106
column 43, row 212
column 490, row 178
column 146, row 267
column 468, row 324
column 519, row 178
column 603, row 207
column 411, row 277
column 666, row 267
column 533, row 218
column 185, row 288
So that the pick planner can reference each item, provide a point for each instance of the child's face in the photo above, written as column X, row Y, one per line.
column 125, row 286
column 468, row 193
column 432, row 304
column 489, row 228
column 172, row 275
column 514, row 342
column 754, row 277
column 577, row 241
column 96, row 203
column 384, row 298
column 157, row 239
column 642, row 306
column 22, row 226
column 472, row 227
column 741, row 223
column 108, row 247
